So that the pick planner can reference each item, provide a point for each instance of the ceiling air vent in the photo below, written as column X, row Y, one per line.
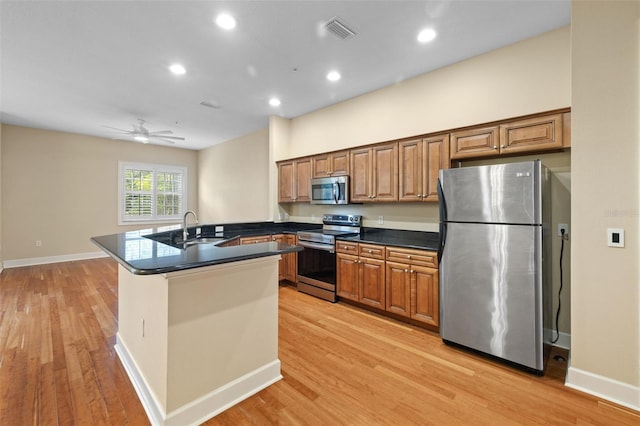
column 339, row 29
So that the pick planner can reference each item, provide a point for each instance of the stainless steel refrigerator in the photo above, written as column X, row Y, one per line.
column 494, row 253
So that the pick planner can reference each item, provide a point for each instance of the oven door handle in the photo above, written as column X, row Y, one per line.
column 324, row 247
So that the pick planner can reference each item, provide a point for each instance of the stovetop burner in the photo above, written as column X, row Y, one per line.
column 333, row 225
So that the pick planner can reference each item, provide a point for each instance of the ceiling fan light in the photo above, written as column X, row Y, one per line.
column 333, row 76
column 177, row 69
column 426, row 35
column 142, row 139
column 225, row 21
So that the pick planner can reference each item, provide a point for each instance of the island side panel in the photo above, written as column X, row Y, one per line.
column 142, row 331
column 223, row 333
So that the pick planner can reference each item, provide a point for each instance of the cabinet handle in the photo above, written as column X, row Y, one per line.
column 408, row 256
column 502, row 146
column 406, row 270
column 370, row 251
column 495, row 147
column 411, row 271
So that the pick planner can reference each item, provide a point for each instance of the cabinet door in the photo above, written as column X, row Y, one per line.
column 321, row 166
column 339, row 163
column 473, row 143
column 531, row 135
column 398, row 288
column 424, row 295
column 410, row 168
column 291, row 260
column 303, row 180
column 436, row 157
column 361, row 168
column 286, row 188
column 385, row 172
column 372, row 283
column 282, row 263
column 347, row 276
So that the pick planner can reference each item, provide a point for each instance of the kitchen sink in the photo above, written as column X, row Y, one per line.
column 174, row 239
column 202, row 240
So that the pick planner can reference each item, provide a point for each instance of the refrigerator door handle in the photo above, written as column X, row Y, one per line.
column 441, row 242
column 442, row 206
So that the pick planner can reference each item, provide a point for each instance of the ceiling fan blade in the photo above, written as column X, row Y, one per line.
column 120, row 130
column 161, row 132
column 178, row 138
column 163, row 140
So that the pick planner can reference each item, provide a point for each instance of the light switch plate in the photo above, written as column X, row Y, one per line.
column 615, row 237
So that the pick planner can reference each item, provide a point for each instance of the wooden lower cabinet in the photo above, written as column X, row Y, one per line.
column 288, row 265
column 412, row 291
column 291, row 260
column 412, row 284
column 405, row 284
column 361, row 277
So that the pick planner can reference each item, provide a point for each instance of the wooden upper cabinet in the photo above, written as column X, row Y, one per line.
column 521, row 136
column 374, row 173
column 419, row 161
column 437, row 152
column 286, row 187
column 361, row 174
column 331, row 164
column 411, row 170
column 533, row 134
column 294, row 181
column 474, row 143
column 385, row 172
column 303, row 180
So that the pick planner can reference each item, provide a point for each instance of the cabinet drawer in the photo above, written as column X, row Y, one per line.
column 372, row 251
column 254, row 240
column 415, row 257
column 346, row 247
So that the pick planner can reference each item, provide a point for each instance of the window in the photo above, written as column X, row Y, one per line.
column 149, row 193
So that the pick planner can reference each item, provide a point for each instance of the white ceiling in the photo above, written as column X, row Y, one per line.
column 77, row 66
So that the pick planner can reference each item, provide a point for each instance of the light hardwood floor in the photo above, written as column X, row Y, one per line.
column 340, row 365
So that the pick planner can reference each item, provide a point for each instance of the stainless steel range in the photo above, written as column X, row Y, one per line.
column 317, row 262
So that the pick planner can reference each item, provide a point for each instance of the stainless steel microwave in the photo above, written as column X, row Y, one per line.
column 330, row 190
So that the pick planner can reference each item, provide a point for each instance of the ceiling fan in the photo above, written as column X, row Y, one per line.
column 142, row 134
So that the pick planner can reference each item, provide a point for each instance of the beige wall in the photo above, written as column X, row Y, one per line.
column 605, row 317
column 233, row 180
column 61, row 189
column 523, row 78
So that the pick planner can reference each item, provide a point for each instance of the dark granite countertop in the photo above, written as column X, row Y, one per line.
column 398, row 238
column 159, row 250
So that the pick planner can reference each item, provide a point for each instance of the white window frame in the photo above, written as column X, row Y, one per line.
column 155, row 169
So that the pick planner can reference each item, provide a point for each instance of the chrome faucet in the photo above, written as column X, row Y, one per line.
column 185, row 232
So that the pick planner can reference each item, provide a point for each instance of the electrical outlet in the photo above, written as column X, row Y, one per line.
column 38, row 243
column 380, row 220
column 565, row 227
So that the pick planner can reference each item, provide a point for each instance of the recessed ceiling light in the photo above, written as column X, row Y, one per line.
column 177, row 69
column 274, row 102
column 426, row 35
column 333, row 76
column 226, row 21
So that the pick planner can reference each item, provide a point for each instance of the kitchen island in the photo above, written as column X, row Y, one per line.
column 197, row 323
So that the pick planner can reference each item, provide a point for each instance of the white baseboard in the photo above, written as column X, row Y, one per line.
column 52, row 259
column 149, row 402
column 205, row 407
column 603, row 387
column 564, row 339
